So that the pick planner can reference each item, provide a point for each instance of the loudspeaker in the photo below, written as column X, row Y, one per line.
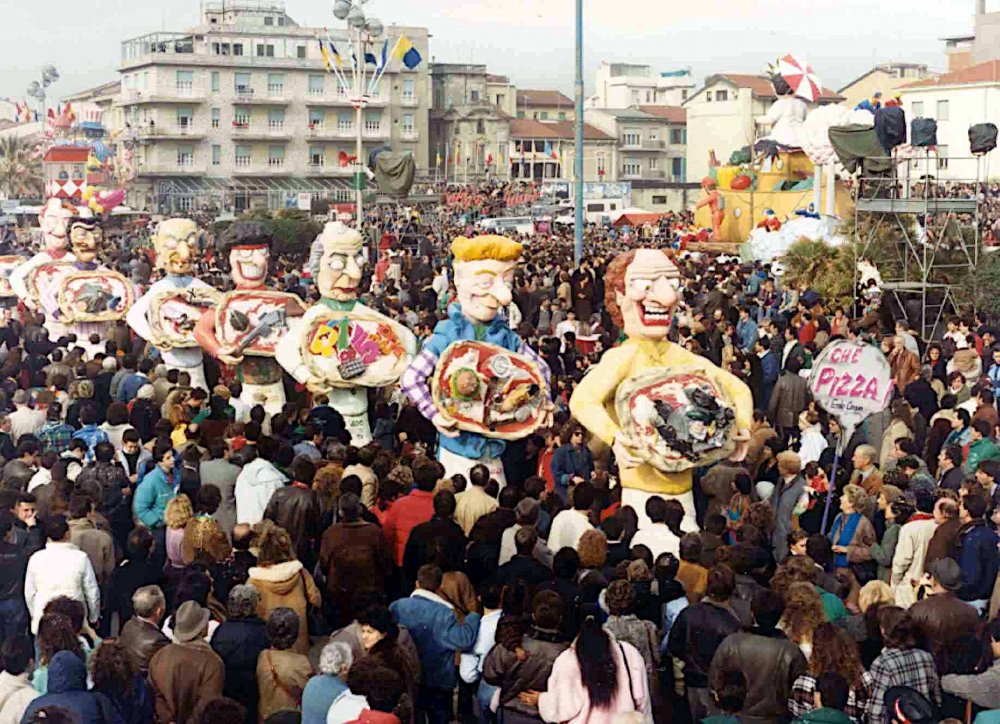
column 923, row 132
column 982, row 138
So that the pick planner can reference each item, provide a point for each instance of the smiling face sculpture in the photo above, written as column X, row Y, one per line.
column 646, row 294
column 176, row 245
column 484, row 275
column 85, row 237
column 54, row 221
column 336, row 262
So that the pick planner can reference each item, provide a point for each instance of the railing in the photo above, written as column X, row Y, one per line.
column 180, row 169
column 171, row 129
column 409, row 134
column 410, row 101
column 330, row 132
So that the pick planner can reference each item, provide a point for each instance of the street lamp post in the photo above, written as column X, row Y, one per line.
column 578, row 158
column 362, row 30
column 36, row 89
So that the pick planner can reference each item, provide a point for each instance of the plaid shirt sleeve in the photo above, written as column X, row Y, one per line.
column 414, row 382
column 538, row 360
column 801, row 699
column 897, row 667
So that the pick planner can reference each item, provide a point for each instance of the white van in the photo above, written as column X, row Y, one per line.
column 600, row 211
column 517, row 224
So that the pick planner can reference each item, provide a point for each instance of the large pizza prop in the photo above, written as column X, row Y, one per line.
column 253, row 321
column 677, row 418
column 489, row 390
column 7, row 266
column 173, row 314
column 95, row 296
column 357, row 348
column 46, row 277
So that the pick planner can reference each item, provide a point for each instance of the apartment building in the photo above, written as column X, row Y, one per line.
column 622, row 85
column 469, row 121
column 546, row 150
column 240, row 112
column 545, row 105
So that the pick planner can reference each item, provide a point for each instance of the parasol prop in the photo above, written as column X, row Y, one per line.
column 801, row 78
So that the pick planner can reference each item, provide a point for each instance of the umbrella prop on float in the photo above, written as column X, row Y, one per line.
column 800, row 77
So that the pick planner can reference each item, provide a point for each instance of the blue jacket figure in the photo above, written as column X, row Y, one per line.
column 68, row 689
column 768, row 375
column 977, row 557
column 571, row 460
column 436, row 632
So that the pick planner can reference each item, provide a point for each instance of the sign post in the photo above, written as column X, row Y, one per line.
column 850, row 381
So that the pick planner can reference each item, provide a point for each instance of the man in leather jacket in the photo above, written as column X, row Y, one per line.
column 141, row 635
column 770, row 661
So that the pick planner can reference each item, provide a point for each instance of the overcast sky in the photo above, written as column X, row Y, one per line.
column 529, row 40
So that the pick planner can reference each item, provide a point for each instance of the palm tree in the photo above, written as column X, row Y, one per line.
column 20, row 168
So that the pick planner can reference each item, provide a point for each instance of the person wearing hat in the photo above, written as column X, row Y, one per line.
column 981, row 689
column 187, row 673
column 905, row 705
column 941, row 617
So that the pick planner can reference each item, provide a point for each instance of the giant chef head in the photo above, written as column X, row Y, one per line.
column 484, row 274
column 176, row 245
column 336, row 262
column 642, row 289
column 54, row 221
column 248, row 246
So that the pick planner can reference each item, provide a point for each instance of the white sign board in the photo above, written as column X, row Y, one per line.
column 304, row 201
column 851, row 381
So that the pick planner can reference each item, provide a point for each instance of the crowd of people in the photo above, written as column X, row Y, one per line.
column 170, row 553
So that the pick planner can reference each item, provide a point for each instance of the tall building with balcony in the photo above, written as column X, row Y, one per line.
column 469, row 121
column 622, row 85
column 240, row 112
column 652, row 150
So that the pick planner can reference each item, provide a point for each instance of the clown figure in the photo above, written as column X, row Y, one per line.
column 176, row 246
column 252, row 309
column 336, row 261
column 54, row 223
column 643, row 288
column 82, row 297
column 484, row 273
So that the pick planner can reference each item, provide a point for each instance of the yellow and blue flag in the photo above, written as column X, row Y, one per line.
column 406, row 53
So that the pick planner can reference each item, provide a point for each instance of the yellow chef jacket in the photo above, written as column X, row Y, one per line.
column 593, row 402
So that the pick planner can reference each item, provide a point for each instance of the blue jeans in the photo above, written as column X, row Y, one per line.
column 13, row 617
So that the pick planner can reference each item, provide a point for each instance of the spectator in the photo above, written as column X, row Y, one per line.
column 977, row 552
column 832, row 653
column 187, row 673
column 125, row 687
column 474, row 502
column 438, row 635
column 770, row 661
column 68, row 689
column 664, row 533
column 981, row 688
column 322, row 689
column 204, row 540
column 900, row 663
column 222, row 474
column 789, row 489
column 569, row 525
column 17, row 656
column 572, row 462
column 141, row 635
column 413, row 509
column 283, row 582
column 239, row 642
column 282, row 674
column 60, row 569
column 940, row 617
column 257, row 481
column 295, row 507
column 354, row 557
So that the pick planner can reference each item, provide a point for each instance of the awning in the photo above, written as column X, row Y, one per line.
column 637, row 218
column 181, row 186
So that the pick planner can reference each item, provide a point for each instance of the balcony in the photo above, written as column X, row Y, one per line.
column 409, row 134
column 262, row 132
column 375, row 131
column 628, row 174
column 409, row 101
column 340, row 97
column 179, row 93
column 262, row 169
column 328, row 169
column 171, row 131
column 643, row 145
column 331, row 133
column 168, row 168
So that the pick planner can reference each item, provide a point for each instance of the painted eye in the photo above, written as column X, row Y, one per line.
column 337, row 263
column 642, row 285
column 673, row 282
column 170, row 243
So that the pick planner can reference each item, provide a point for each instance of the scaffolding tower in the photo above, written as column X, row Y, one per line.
column 923, row 234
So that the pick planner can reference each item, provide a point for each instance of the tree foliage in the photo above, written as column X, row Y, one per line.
column 20, row 168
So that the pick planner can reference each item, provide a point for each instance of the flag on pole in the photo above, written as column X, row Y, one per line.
column 370, row 59
column 327, row 58
column 406, row 53
column 385, row 52
column 333, row 51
